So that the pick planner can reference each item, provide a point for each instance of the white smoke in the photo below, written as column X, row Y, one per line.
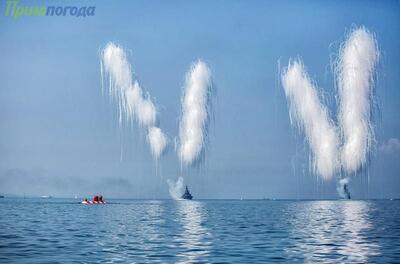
column 133, row 104
column 195, row 113
column 312, row 117
column 158, row 141
column 355, row 71
column 176, row 188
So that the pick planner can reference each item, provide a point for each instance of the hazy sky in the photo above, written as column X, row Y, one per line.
column 60, row 134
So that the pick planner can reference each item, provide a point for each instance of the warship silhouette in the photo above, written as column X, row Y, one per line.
column 347, row 192
column 187, row 195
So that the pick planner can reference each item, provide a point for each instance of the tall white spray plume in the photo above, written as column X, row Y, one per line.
column 311, row 117
column 355, row 71
column 195, row 113
column 133, row 104
column 196, row 107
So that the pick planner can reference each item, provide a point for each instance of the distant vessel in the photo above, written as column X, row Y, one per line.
column 347, row 192
column 187, row 195
column 46, row 196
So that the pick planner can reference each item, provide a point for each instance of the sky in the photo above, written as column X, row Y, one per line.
column 60, row 134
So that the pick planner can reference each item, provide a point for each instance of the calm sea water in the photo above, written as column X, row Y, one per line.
column 206, row 231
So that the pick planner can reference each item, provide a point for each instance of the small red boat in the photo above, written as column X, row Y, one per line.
column 98, row 199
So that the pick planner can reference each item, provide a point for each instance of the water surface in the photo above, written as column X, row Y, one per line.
column 203, row 231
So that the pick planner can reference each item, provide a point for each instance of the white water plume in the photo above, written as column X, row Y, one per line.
column 176, row 188
column 311, row 117
column 196, row 100
column 355, row 70
column 133, row 104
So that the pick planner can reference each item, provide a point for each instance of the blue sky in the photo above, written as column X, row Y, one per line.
column 60, row 134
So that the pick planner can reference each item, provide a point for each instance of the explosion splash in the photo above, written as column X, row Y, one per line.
column 176, row 188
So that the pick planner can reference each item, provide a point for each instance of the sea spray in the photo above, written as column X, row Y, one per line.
column 176, row 188
column 133, row 103
column 355, row 72
column 343, row 188
column 312, row 117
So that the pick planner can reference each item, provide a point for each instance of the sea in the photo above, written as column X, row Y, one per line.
column 199, row 231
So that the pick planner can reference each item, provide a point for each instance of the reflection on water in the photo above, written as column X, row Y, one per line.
column 332, row 231
column 143, row 231
column 356, row 224
column 195, row 236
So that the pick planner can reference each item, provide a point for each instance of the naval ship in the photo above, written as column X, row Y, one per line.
column 347, row 192
column 187, row 195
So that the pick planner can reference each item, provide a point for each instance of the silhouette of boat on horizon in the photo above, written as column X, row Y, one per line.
column 346, row 192
column 187, row 195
